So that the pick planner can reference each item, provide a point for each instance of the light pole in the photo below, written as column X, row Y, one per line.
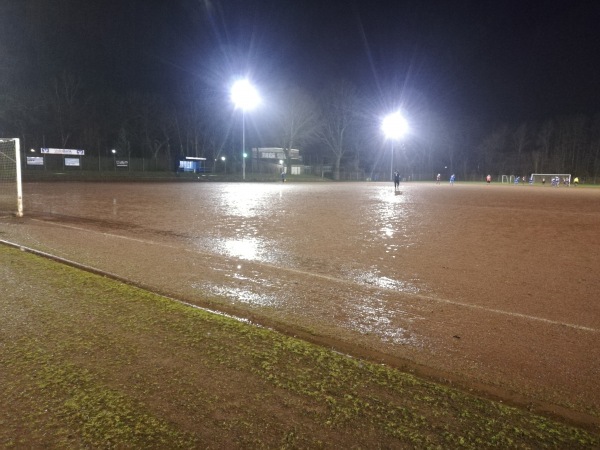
column 114, row 152
column 224, row 164
column 394, row 126
column 244, row 96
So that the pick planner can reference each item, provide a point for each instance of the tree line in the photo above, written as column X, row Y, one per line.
column 336, row 127
column 70, row 78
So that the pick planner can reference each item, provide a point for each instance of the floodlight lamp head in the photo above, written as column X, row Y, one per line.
column 394, row 126
column 244, row 95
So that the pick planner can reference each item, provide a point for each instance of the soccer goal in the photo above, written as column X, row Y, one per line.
column 550, row 178
column 11, row 189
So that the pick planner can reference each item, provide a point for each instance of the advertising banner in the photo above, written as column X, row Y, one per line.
column 35, row 160
column 72, row 162
column 62, row 151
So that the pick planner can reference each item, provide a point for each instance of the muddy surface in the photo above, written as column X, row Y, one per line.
column 493, row 288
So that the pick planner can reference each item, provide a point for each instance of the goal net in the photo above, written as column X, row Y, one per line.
column 551, row 178
column 11, row 190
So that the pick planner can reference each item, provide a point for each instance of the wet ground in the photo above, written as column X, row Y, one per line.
column 494, row 288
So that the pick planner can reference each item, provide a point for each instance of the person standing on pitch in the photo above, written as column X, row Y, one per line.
column 396, row 180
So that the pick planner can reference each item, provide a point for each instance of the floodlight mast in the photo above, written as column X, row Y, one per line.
column 244, row 96
column 394, row 126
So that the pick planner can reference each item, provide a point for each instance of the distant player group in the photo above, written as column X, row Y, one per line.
column 554, row 181
column 438, row 179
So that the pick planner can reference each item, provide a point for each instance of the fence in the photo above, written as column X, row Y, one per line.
column 65, row 163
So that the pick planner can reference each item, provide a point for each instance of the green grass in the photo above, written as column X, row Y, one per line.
column 90, row 362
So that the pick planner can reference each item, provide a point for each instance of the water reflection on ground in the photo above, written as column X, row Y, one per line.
column 318, row 232
column 372, row 278
column 428, row 273
column 247, row 200
column 239, row 295
column 374, row 316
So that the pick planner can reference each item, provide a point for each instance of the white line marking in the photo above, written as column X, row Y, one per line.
column 344, row 281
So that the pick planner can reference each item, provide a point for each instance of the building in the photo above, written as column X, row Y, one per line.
column 273, row 159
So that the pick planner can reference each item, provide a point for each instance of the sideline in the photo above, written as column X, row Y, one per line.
column 490, row 392
column 124, row 280
column 324, row 277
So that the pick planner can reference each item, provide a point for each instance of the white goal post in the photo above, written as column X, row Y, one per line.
column 546, row 178
column 11, row 187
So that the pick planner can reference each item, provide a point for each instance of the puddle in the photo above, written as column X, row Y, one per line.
column 373, row 279
column 239, row 295
column 373, row 316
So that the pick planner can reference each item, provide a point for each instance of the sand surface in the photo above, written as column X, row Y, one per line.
column 492, row 288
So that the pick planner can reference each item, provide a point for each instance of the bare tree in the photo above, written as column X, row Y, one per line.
column 144, row 122
column 520, row 138
column 456, row 141
column 338, row 106
column 199, row 123
column 492, row 146
column 544, row 142
column 571, row 139
column 66, row 105
column 594, row 150
column 296, row 121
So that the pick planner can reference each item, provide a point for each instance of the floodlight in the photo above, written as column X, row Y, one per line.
column 244, row 96
column 394, row 126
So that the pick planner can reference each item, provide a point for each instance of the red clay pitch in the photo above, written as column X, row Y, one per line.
column 494, row 288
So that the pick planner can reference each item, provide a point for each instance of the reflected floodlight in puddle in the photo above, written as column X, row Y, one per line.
column 375, row 279
column 374, row 318
column 243, row 248
column 246, row 200
column 389, row 232
column 240, row 295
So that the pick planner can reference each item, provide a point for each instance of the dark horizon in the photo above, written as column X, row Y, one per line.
column 510, row 86
column 504, row 62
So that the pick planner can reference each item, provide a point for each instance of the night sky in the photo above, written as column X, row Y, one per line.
column 498, row 61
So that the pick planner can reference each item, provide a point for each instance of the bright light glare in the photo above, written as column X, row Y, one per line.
column 244, row 95
column 394, row 126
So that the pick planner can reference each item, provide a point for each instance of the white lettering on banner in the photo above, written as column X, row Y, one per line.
column 62, row 151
